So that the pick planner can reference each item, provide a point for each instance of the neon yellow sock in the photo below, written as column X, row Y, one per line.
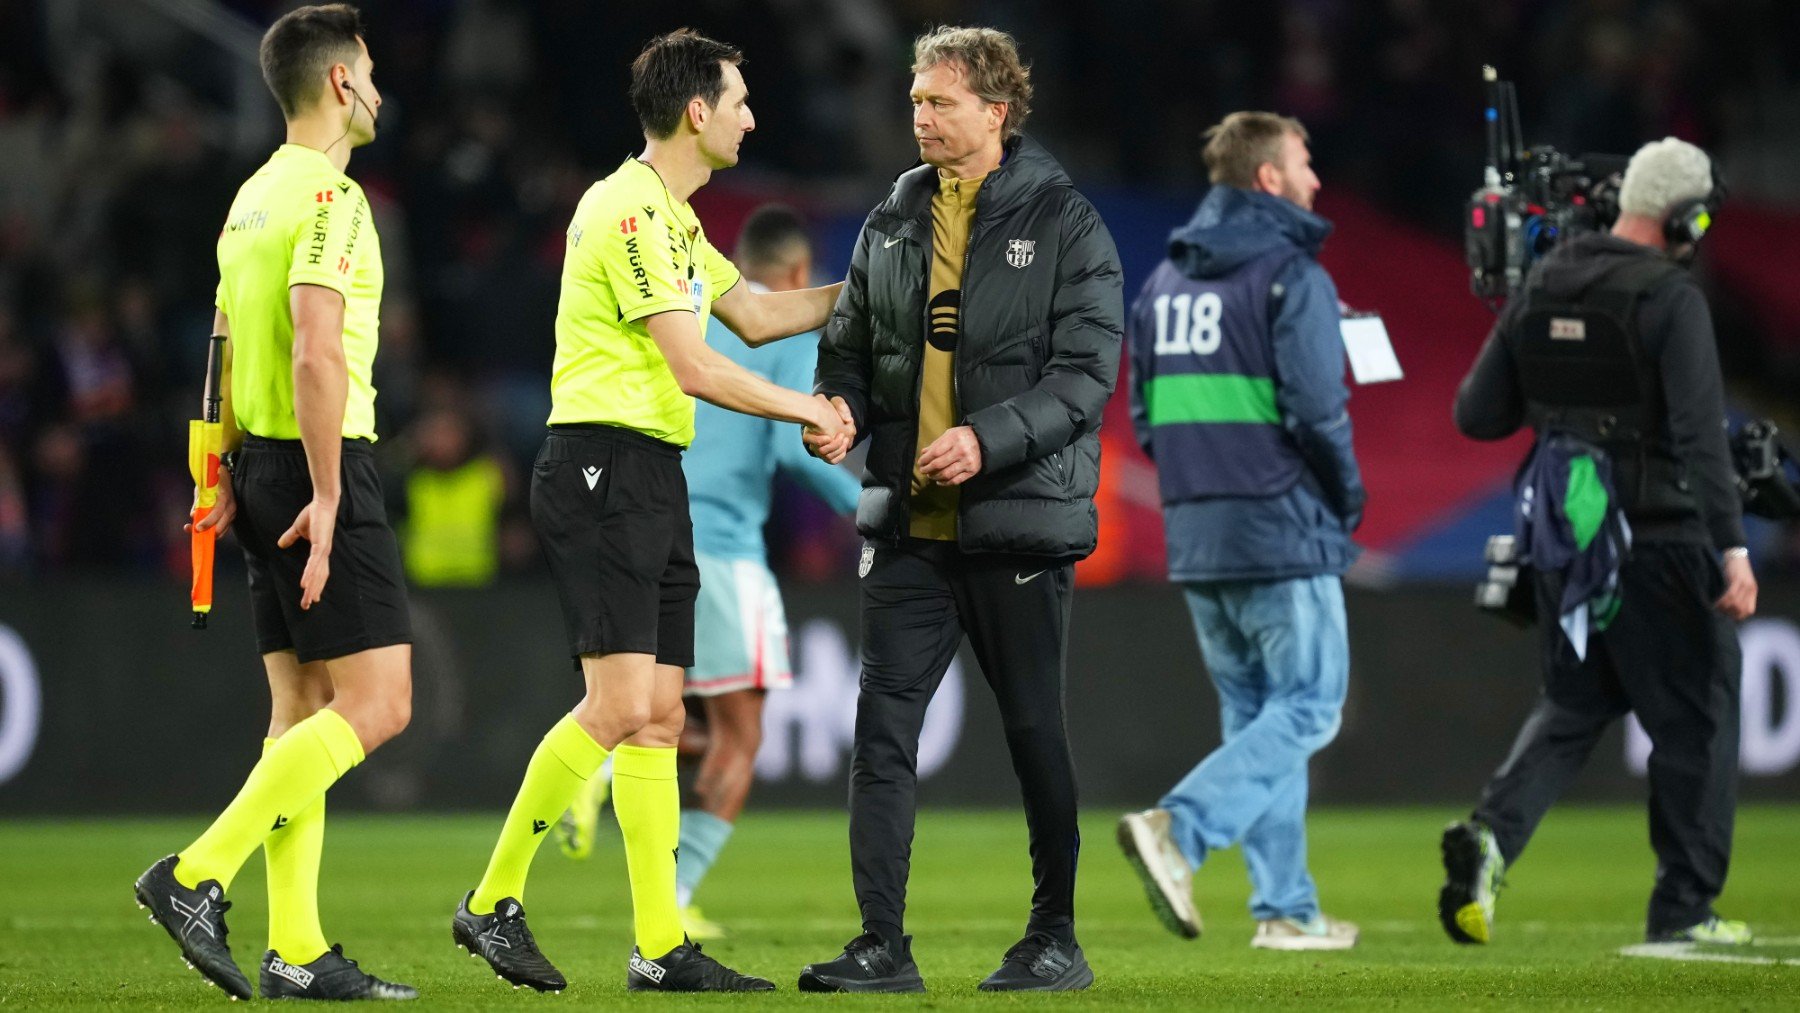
column 291, row 853
column 562, row 764
column 648, row 805
column 291, row 776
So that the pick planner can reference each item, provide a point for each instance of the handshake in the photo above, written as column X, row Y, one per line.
column 831, row 431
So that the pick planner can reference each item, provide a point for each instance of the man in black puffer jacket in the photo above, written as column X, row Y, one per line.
column 976, row 342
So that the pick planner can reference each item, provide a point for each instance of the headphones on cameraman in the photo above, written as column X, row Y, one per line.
column 1688, row 221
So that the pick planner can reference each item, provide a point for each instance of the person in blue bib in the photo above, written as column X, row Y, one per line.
column 1237, row 394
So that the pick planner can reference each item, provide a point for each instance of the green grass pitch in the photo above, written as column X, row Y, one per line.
column 70, row 935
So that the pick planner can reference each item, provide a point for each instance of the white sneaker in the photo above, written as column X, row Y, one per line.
column 1168, row 880
column 1715, row 930
column 1322, row 933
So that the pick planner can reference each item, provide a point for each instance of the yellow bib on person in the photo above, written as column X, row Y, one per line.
column 451, row 536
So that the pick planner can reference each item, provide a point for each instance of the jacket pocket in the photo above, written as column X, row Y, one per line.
column 1065, row 469
column 1023, row 347
column 1084, row 467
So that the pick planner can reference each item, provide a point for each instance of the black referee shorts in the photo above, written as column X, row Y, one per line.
column 364, row 602
column 610, row 506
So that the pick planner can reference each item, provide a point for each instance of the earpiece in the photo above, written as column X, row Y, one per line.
column 347, row 86
column 1688, row 220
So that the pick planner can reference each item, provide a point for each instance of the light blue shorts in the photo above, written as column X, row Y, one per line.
column 740, row 629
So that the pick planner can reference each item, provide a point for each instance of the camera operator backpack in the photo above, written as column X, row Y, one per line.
column 1583, row 371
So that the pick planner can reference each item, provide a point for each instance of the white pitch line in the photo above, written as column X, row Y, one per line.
column 1688, row 952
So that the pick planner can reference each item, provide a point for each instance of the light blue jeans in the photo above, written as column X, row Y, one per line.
column 1279, row 653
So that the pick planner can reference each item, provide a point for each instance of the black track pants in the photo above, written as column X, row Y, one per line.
column 1672, row 659
column 918, row 600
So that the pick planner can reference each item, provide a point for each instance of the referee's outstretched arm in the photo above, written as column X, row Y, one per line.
column 704, row 373
column 761, row 317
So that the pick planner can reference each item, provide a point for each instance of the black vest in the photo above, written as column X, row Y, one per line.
column 1584, row 372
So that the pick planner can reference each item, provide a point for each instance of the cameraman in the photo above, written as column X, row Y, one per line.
column 1607, row 352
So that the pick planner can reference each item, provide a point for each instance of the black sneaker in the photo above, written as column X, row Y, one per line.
column 1473, row 875
column 866, row 966
column 331, row 976
column 1039, row 963
column 686, row 969
column 195, row 919
column 505, row 943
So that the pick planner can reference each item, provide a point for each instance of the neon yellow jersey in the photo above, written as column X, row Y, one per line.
column 297, row 221
column 631, row 252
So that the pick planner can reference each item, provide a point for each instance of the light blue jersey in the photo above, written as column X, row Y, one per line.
column 732, row 463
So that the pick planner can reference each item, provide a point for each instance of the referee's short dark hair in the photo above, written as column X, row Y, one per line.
column 671, row 71
column 299, row 48
column 770, row 235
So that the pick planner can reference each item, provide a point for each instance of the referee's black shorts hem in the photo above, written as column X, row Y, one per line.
column 602, row 647
column 332, row 652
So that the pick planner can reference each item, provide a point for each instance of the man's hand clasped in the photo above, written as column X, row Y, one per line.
column 829, row 436
column 952, row 458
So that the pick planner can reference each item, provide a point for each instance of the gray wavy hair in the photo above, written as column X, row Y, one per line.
column 1663, row 174
column 990, row 63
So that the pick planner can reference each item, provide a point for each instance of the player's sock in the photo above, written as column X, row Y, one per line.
column 562, row 764
column 291, row 853
column 648, row 806
column 703, row 836
column 291, row 776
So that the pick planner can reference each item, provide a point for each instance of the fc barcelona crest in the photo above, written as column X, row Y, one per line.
column 1020, row 251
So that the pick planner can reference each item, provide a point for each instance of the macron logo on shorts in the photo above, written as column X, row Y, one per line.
column 592, row 474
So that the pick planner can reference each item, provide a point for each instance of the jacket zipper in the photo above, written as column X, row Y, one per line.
column 956, row 362
column 912, row 460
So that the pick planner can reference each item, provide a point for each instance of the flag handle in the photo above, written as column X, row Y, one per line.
column 204, row 446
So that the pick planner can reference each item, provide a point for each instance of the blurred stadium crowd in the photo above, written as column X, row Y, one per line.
column 125, row 126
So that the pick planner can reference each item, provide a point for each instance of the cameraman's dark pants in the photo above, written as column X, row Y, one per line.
column 918, row 599
column 1673, row 660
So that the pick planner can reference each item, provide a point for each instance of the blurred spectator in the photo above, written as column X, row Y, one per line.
column 453, row 497
column 122, row 132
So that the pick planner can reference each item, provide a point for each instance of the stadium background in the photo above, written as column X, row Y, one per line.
column 125, row 126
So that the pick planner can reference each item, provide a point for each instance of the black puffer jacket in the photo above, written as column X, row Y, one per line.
column 1042, row 317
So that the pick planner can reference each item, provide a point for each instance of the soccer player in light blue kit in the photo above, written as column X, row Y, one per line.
column 740, row 628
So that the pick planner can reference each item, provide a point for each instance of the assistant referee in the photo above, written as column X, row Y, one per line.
column 299, row 296
column 610, row 504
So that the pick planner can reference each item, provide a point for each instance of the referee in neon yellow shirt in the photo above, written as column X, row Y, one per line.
column 299, row 295
column 610, row 503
